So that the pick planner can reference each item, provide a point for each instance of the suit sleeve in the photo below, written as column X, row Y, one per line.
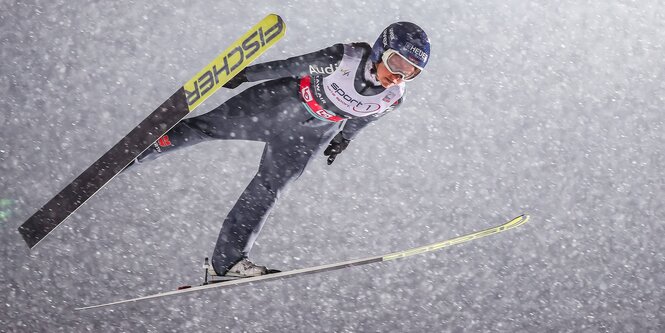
column 297, row 66
column 355, row 125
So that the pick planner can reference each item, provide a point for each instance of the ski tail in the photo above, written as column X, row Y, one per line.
column 76, row 193
column 229, row 63
column 335, row 266
column 234, row 59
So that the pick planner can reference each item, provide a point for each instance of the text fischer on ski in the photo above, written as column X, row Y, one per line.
column 311, row 101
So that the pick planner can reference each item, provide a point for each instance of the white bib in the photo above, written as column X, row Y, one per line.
column 339, row 88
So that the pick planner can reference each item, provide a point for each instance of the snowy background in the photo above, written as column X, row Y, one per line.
column 553, row 108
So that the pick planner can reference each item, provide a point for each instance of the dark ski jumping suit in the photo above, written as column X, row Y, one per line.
column 310, row 100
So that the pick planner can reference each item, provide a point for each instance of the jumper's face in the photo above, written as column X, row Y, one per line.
column 394, row 68
column 387, row 78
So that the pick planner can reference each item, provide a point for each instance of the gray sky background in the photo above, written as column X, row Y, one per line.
column 549, row 108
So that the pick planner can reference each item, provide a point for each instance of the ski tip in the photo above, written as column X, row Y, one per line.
column 518, row 221
column 280, row 21
column 275, row 16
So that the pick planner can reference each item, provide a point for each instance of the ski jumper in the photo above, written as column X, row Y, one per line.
column 306, row 102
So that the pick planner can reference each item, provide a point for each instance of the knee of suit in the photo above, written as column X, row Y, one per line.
column 275, row 180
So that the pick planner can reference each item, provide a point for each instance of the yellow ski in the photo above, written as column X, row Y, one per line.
column 236, row 57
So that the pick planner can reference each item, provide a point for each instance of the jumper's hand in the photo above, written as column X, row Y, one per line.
column 237, row 80
column 336, row 146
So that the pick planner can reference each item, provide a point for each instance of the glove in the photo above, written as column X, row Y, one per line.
column 237, row 80
column 336, row 146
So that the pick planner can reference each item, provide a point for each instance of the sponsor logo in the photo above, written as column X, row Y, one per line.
column 164, row 141
column 416, row 51
column 306, row 94
column 318, row 82
column 157, row 147
column 388, row 97
column 230, row 61
column 321, row 70
column 311, row 105
column 345, row 72
column 323, row 113
column 358, row 106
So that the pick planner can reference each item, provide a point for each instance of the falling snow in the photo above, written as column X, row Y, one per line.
column 554, row 108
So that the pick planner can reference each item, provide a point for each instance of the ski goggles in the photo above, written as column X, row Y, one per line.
column 397, row 64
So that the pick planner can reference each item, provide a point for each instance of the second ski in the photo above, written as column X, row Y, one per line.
column 329, row 267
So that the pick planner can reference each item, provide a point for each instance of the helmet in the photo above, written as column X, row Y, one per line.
column 408, row 39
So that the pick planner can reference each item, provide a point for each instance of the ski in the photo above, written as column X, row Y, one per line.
column 235, row 58
column 329, row 267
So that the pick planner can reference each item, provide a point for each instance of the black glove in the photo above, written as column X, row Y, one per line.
column 237, row 80
column 336, row 146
